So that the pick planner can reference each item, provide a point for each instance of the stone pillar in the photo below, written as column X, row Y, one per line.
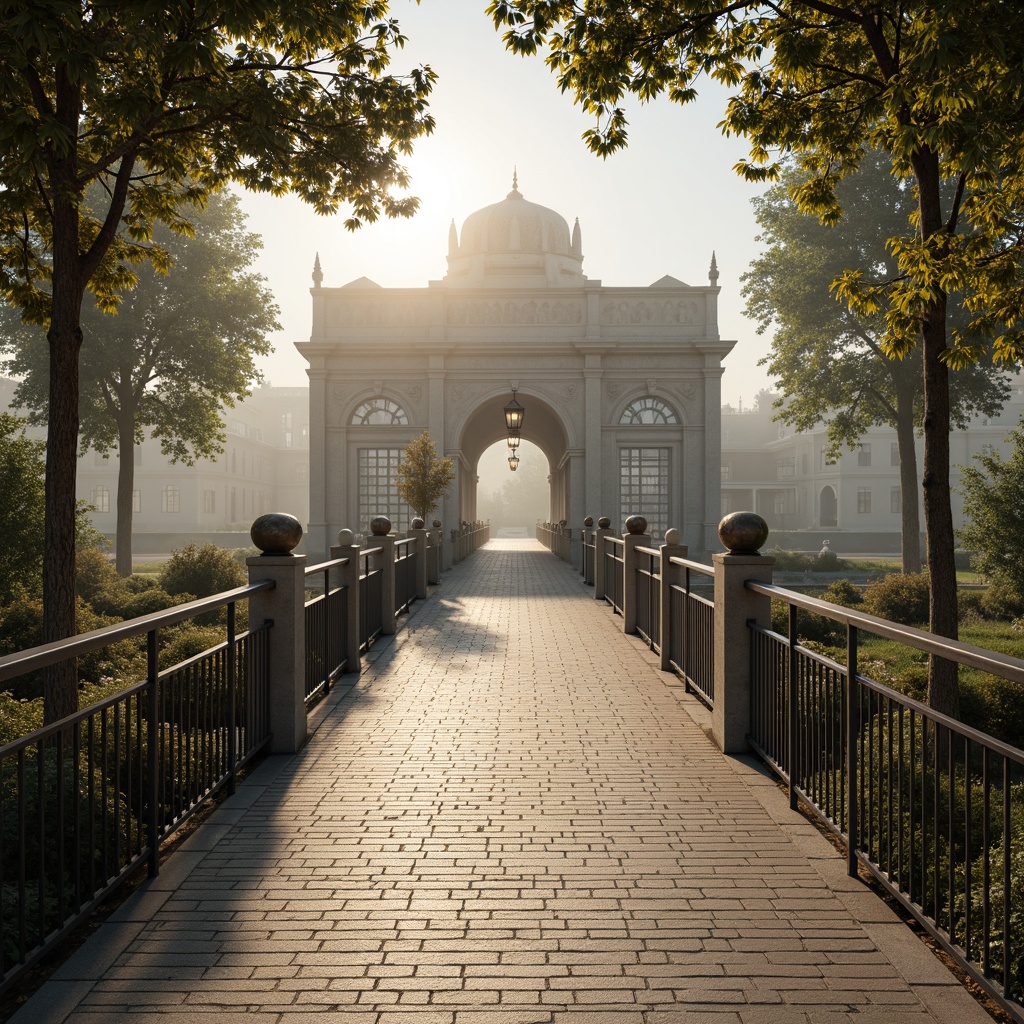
column 742, row 533
column 276, row 535
column 669, row 574
column 420, row 535
column 636, row 538
column 380, row 527
column 318, row 461
column 603, row 530
column 347, row 548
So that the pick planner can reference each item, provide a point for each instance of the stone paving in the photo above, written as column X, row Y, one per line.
column 513, row 818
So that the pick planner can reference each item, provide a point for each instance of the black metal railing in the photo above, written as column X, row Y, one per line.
column 85, row 800
column 933, row 809
column 614, row 549
column 647, row 574
column 326, row 619
column 691, row 640
column 406, row 559
column 371, row 590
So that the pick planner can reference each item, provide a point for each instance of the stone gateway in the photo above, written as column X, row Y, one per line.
column 621, row 385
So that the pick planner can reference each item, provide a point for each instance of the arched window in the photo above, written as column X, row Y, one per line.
column 380, row 412
column 648, row 410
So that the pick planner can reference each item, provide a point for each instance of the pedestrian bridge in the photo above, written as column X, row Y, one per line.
column 511, row 816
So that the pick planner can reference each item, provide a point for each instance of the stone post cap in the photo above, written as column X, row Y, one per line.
column 743, row 533
column 346, row 538
column 276, row 533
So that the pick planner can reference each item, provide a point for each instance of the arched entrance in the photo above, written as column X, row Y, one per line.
column 542, row 426
column 513, row 502
column 828, row 507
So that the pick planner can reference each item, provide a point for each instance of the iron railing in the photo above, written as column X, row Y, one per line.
column 614, row 567
column 933, row 809
column 647, row 572
column 85, row 800
column 371, row 590
column 589, row 556
column 326, row 617
column 405, row 574
column 691, row 630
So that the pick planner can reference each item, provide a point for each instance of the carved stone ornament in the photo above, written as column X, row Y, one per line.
column 636, row 525
column 604, row 523
column 380, row 526
column 614, row 390
column 417, row 524
column 472, row 314
column 651, row 312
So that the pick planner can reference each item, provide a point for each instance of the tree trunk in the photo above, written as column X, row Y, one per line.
column 910, row 511
column 125, row 493
column 943, row 686
column 60, row 686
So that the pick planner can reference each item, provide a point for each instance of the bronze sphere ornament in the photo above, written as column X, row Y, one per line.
column 380, row 526
column 743, row 533
column 276, row 533
column 636, row 525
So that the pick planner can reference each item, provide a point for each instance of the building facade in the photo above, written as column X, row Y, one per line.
column 621, row 385
column 787, row 477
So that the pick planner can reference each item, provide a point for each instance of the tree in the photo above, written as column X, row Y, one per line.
column 994, row 515
column 423, row 476
column 22, row 466
column 181, row 347
column 936, row 84
column 159, row 105
column 829, row 359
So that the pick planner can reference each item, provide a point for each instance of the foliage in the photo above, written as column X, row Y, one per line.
column 183, row 344
column 799, row 561
column 187, row 642
column 936, row 85
column 22, row 509
column 827, row 358
column 423, row 476
column 201, row 571
column 159, row 106
column 994, row 514
column 899, row 597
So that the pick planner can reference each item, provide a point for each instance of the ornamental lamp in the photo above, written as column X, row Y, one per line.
column 514, row 415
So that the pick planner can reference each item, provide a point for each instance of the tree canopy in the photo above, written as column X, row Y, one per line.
column 181, row 347
column 936, row 84
column 423, row 475
column 994, row 514
column 159, row 104
column 828, row 359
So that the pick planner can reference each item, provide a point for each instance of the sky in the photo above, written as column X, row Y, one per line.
column 659, row 207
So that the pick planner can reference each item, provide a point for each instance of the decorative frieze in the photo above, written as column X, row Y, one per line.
column 378, row 313
column 652, row 312
column 472, row 314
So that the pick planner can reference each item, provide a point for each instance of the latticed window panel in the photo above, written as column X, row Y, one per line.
column 648, row 411
column 378, row 488
column 380, row 412
column 644, row 486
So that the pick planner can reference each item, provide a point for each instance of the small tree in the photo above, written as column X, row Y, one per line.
column 994, row 515
column 423, row 476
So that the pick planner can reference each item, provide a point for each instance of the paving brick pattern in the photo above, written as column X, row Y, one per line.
column 513, row 818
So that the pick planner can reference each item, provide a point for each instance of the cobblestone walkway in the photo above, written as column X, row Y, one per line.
column 513, row 818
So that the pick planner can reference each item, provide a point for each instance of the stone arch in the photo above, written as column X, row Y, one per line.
column 666, row 395
column 379, row 411
column 828, row 507
column 649, row 411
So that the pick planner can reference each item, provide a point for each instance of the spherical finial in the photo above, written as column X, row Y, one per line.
column 380, row 526
column 346, row 538
column 636, row 525
column 743, row 533
column 437, row 524
column 672, row 535
column 276, row 533
column 588, row 522
column 417, row 523
column 604, row 523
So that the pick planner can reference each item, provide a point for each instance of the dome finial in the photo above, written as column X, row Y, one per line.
column 515, row 193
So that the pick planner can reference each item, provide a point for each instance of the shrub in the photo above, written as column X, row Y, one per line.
column 1001, row 603
column 969, row 608
column 843, row 592
column 798, row 561
column 201, row 571
column 188, row 641
column 148, row 601
column 97, row 582
column 900, row 597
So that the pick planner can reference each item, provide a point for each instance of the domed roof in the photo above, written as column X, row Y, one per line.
column 515, row 237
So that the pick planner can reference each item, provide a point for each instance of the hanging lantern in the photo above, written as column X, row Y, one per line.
column 513, row 441
column 513, row 462
column 514, row 415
